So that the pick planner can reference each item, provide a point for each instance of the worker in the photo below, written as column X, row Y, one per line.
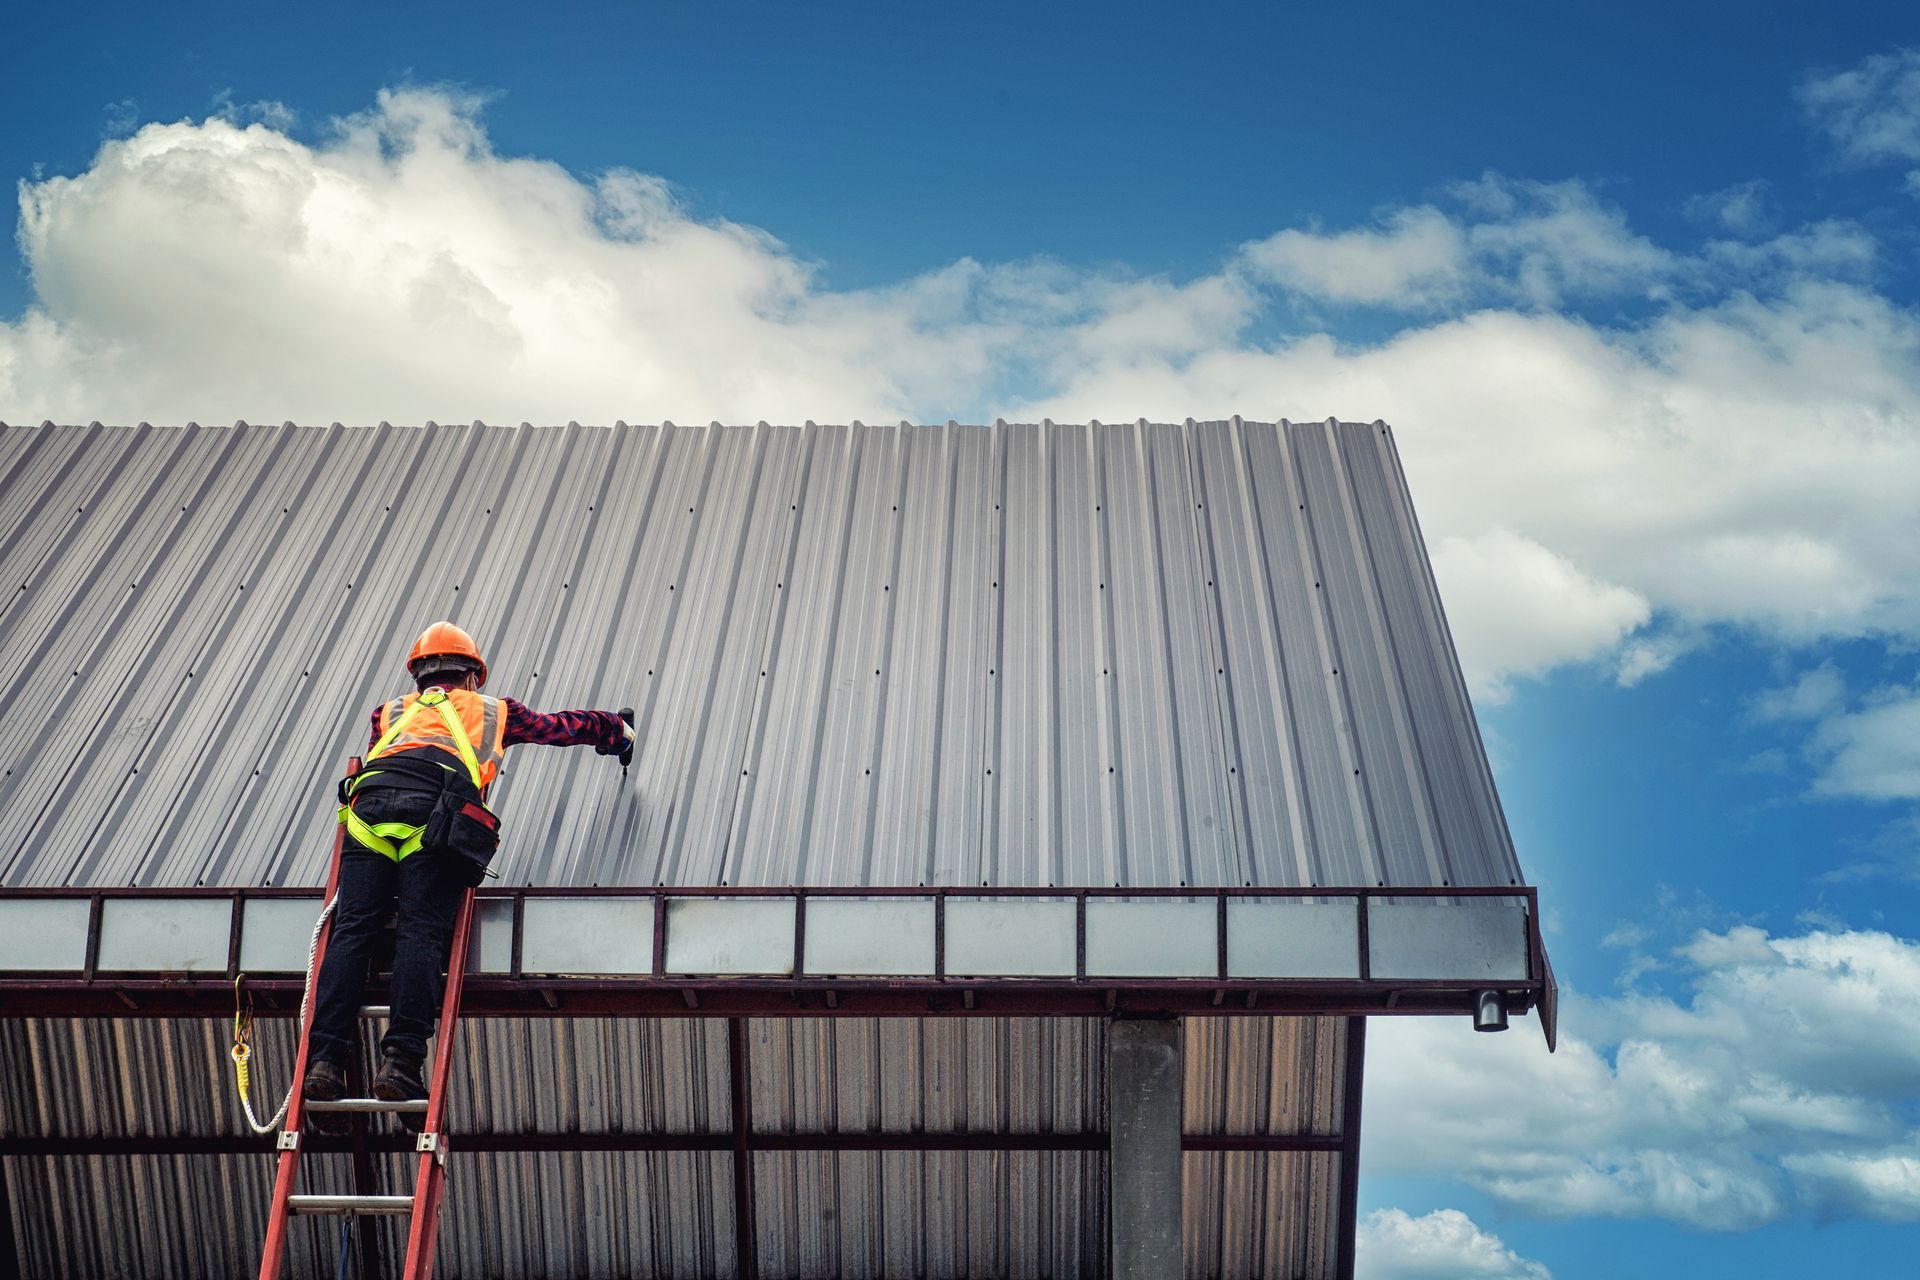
column 418, row 835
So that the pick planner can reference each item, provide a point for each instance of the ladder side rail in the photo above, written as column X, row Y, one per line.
column 273, row 1253
column 430, row 1182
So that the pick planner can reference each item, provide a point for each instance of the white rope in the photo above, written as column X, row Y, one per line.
column 299, row 1028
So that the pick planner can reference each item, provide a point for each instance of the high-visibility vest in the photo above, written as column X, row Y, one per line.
column 469, row 725
column 460, row 722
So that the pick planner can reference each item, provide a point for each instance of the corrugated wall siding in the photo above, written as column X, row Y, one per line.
column 614, row 1214
column 1010, row 655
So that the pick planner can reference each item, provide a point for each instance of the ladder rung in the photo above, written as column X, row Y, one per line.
column 389, row 1205
column 376, row 1011
column 366, row 1104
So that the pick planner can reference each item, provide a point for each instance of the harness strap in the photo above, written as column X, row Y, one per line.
column 399, row 839
column 395, row 839
column 436, row 698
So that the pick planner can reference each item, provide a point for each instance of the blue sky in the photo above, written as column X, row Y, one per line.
column 1636, row 287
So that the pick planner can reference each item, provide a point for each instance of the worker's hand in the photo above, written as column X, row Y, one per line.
column 626, row 754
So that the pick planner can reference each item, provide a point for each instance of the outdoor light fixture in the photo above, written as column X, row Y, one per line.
column 1489, row 1012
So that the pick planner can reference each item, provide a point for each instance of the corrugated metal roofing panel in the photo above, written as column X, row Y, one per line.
column 1017, row 655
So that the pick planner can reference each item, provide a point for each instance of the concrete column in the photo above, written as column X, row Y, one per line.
column 1143, row 1169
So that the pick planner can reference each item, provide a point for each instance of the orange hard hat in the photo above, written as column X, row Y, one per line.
column 444, row 640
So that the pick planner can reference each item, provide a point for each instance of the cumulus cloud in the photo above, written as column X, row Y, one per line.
column 1872, row 752
column 1885, row 1186
column 1871, row 111
column 1811, row 696
column 1519, row 608
column 1744, row 464
column 1744, row 208
column 1863, row 747
column 1741, row 456
column 1530, row 243
column 404, row 270
column 1787, row 1082
column 1442, row 1245
column 1417, row 258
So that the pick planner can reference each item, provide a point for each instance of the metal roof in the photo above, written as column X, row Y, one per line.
column 1017, row 655
column 1141, row 654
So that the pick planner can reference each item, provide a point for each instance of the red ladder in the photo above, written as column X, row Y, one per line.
column 430, row 1183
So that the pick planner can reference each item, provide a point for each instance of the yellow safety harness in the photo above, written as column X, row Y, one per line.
column 398, row 839
column 394, row 839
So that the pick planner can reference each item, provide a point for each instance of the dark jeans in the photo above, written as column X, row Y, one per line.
column 425, row 892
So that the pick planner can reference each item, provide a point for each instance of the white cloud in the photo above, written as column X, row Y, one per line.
column 270, row 112
column 1743, row 459
column 1518, row 608
column 1744, row 208
column 1555, row 240
column 120, row 117
column 1747, row 464
column 1442, row 1245
column 1871, row 112
column 1530, row 243
column 1873, row 752
column 1862, row 748
column 1417, row 258
column 404, row 270
column 1788, row 1081
column 1885, row 1186
column 1813, row 695
column 1833, row 248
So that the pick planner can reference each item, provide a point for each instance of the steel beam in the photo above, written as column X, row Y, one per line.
column 646, row 997
column 1350, row 1098
column 482, row 1143
column 1144, row 1172
column 740, row 1087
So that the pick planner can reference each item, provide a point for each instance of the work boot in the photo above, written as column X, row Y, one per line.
column 326, row 1082
column 399, row 1080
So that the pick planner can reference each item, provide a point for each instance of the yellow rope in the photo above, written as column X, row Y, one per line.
column 242, row 1050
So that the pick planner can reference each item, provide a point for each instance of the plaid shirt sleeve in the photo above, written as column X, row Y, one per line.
column 373, row 728
column 604, row 731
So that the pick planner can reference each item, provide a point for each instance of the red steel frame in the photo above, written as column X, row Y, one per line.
column 662, row 993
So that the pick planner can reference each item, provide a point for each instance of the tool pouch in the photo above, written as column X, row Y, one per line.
column 466, row 831
column 420, row 789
